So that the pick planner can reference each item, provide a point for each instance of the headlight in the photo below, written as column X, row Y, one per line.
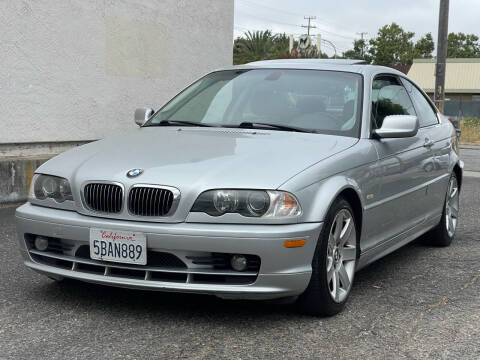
column 251, row 203
column 47, row 186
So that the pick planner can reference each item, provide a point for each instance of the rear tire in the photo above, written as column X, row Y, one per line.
column 444, row 233
column 333, row 265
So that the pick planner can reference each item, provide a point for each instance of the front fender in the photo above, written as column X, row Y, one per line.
column 317, row 198
column 318, row 186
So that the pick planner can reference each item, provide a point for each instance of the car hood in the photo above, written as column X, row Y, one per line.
column 196, row 159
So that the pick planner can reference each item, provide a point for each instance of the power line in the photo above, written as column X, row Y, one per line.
column 309, row 18
column 362, row 34
column 272, row 8
column 280, row 22
column 296, row 25
column 290, row 13
column 270, row 20
column 337, row 35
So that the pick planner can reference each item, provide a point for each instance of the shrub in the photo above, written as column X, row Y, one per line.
column 470, row 130
column 472, row 121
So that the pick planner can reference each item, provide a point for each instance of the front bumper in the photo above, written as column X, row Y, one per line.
column 283, row 271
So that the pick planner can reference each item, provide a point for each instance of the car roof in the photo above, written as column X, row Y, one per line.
column 347, row 65
column 311, row 62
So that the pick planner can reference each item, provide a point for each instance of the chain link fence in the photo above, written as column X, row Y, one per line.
column 462, row 109
column 466, row 117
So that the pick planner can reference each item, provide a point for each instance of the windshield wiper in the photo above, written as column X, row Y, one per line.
column 244, row 125
column 259, row 125
column 180, row 122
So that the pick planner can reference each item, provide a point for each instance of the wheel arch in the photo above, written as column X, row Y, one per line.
column 458, row 170
column 326, row 192
column 352, row 197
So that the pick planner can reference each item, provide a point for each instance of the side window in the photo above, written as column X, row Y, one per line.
column 426, row 114
column 389, row 97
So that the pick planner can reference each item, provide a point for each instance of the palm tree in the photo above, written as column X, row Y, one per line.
column 256, row 45
column 259, row 45
column 263, row 45
column 281, row 45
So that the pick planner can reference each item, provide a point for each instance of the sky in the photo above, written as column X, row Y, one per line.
column 341, row 21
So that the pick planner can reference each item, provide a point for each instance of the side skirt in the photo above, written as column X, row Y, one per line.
column 396, row 242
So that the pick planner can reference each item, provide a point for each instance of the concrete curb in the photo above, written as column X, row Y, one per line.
column 15, row 177
column 470, row 146
column 469, row 173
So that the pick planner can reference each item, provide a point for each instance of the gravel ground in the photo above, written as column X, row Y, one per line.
column 419, row 302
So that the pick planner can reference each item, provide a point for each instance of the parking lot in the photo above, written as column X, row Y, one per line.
column 419, row 302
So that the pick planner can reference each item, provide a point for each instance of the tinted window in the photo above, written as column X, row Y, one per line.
column 322, row 101
column 426, row 114
column 389, row 97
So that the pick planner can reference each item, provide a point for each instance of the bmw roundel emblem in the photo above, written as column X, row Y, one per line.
column 134, row 173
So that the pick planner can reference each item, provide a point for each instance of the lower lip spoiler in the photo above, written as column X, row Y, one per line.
column 280, row 285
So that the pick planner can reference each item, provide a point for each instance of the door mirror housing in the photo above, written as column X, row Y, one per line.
column 398, row 126
column 142, row 115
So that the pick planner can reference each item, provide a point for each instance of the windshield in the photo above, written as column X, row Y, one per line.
column 321, row 101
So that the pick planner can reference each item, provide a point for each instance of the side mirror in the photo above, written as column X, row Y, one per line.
column 398, row 126
column 142, row 115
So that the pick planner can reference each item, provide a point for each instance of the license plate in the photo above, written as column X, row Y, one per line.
column 118, row 246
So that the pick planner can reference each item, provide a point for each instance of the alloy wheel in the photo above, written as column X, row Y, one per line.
column 452, row 206
column 341, row 255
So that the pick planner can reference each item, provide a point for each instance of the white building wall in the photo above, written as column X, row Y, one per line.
column 76, row 70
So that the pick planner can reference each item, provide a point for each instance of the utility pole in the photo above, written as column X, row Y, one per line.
column 362, row 34
column 309, row 18
column 441, row 55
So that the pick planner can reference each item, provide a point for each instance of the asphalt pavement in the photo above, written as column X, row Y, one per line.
column 471, row 157
column 419, row 302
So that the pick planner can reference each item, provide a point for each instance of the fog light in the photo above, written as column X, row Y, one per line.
column 41, row 243
column 238, row 262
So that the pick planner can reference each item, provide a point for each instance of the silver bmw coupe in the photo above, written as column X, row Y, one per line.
column 276, row 179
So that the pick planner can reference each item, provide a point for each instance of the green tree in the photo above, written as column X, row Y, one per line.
column 424, row 47
column 462, row 45
column 359, row 51
column 392, row 46
column 281, row 42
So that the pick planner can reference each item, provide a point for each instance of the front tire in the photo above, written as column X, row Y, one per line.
column 444, row 233
column 333, row 265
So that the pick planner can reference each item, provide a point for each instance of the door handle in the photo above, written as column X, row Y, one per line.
column 428, row 143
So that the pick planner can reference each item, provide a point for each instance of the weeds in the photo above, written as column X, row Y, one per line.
column 470, row 131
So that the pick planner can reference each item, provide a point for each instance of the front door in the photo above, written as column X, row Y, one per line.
column 403, row 168
column 438, row 140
